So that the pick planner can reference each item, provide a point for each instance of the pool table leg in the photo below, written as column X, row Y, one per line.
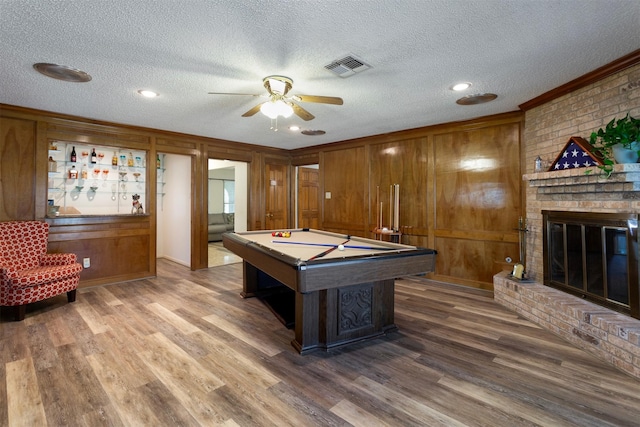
column 249, row 280
column 307, row 330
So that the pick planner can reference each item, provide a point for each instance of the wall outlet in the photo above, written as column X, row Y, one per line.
column 86, row 262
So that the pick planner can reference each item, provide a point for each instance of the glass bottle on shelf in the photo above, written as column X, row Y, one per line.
column 114, row 159
column 158, row 161
column 94, row 157
column 73, row 173
column 53, row 165
column 130, row 160
column 73, row 154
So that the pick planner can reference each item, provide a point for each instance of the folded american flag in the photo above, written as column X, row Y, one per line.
column 577, row 153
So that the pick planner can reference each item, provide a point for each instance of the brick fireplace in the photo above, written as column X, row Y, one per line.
column 610, row 335
column 577, row 108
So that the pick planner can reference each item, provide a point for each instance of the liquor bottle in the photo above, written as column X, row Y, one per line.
column 158, row 162
column 114, row 159
column 83, row 173
column 130, row 160
column 73, row 173
column 53, row 165
column 93, row 156
column 73, row 154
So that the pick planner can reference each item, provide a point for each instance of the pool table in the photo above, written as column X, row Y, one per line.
column 341, row 287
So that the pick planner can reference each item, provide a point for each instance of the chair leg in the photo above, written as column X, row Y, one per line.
column 20, row 311
column 71, row 295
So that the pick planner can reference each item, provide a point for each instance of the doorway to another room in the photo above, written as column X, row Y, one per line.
column 174, row 208
column 227, row 207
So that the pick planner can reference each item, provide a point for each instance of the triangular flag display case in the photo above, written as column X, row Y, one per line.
column 577, row 153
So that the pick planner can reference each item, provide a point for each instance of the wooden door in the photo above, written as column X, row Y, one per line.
column 308, row 187
column 276, row 196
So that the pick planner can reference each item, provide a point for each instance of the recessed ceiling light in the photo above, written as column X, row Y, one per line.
column 294, row 128
column 62, row 72
column 461, row 86
column 479, row 98
column 148, row 93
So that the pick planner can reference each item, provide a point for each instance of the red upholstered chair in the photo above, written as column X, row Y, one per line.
column 27, row 272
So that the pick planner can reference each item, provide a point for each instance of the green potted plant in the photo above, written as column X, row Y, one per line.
column 617, row 141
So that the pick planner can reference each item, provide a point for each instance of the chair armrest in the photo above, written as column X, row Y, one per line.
column 7, row 274
column 57, row 259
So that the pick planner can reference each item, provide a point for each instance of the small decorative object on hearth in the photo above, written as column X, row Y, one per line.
column 577, row 153
column 618, row 141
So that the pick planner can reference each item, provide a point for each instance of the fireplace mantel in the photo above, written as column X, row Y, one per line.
column 587, row 183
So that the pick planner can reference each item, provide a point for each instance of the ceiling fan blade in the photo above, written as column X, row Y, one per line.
column 319, row 99
column 252, row 111
column 227, row 93
column 301, row 112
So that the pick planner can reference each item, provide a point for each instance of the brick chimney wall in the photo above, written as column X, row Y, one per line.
column 609, row 335
column 547, row 130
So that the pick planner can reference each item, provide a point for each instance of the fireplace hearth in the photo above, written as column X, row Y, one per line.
column 593, row 256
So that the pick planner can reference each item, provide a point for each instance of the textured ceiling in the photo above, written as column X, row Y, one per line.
column 517, row 49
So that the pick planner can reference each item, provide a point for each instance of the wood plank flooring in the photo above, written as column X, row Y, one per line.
column 183, row 349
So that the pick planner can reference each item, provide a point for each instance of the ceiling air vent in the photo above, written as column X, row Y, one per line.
column 347, row 66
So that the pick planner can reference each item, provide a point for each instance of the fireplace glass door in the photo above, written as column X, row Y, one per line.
column 594, row 258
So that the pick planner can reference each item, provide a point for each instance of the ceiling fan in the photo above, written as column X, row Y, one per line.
column 279, row 103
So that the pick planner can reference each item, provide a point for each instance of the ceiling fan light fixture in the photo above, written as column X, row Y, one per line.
column 273, row 109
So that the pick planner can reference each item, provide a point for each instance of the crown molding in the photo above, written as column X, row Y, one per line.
column 620, row 64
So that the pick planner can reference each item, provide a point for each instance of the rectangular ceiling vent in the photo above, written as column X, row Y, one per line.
column 347, row 66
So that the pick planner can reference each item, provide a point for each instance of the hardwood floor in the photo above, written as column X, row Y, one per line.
column 184, row 349
column 219, row 255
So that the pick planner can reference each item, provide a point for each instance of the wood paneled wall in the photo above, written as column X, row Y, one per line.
column 17, row 168
column 405, row 163
column 460, row 191
column 344, row 175
column 477, row 200
column 121, row 247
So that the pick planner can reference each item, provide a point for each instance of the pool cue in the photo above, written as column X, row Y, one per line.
column 331, row 245
column 320, row 255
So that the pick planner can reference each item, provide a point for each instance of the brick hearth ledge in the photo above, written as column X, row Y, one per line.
column 605, row 333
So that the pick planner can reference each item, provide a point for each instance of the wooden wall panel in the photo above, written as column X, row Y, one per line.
column 477, row 185
column 345, row 177
column 460, row 188
column 17, row 169
column 256, row 206
column 404, row 163
column 119, row 247
column 470, row 262
column 477, row 199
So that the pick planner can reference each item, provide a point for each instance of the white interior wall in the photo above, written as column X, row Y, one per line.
column 174, row 211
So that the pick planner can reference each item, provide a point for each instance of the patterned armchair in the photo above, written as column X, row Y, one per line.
column 27, row 273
